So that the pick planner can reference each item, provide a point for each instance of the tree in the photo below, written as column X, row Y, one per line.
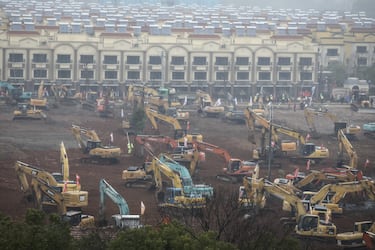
column 138, row 120
column 339, row 74
column 36, row 232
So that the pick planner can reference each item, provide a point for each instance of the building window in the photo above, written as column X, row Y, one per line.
column 221, row 61
column 155, row 75
column 264, row 61
column 63, row 58
column 40, row 58
column 87, row 74
column 178, row 75
column 362, row 61
column 134, row 75
column 198, row 76
column 86, row 59
column 110, row 75
column 284, row 76
column 40, row 73
column 16, row 73
column 199, row 60
column 15, row 57
column 178, row 60
column 241, row 76
column 133, row 60
column 332, row 52
column 284, row 61
column 110, row 60
column 264, row 76
column 361, row 49
column 155, row 60
column 242, row 60
column 306, row 76
column 221, row 76
column 63, row 74
column 305, row 61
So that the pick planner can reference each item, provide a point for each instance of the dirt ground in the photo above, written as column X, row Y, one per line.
column 37, row 143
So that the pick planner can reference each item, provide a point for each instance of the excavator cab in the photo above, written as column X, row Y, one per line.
column 308, row 149
column 92, row 144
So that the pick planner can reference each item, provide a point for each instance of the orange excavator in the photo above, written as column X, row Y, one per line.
column 234, row 169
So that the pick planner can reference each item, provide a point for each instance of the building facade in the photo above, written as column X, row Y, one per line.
column 241, row 51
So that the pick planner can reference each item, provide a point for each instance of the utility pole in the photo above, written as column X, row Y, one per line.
column 270, row 148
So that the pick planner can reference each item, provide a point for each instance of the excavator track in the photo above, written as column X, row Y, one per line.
column 227, row 178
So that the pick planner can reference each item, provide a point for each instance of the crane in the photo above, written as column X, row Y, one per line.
column 92, row 145
column 123, row 219
column 307, row 225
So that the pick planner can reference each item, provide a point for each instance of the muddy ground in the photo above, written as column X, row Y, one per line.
column 37, row 143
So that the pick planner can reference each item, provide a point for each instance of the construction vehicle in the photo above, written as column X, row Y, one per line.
column 161, row 99
column 316, row 179
column 65, row 96
column 105, row 107
column 359, row 237
column 179, row 114
column 13, row 95
column 58, row 180
column 89, row 101
column 331, row 194
column 369, row 129
column 234, row 116
column 25, row 112
column 179, row 132
column 40, row 102
column 206, row 107
column 307, row 225
column 122, row 220
column 189, row 187
column 138, row 176
column 306, row 150
column 234, row 169
column 188, row 157
column 50, row 190
column 90, row 143
column 310, row 115
column 344, row 144
column 175, row 196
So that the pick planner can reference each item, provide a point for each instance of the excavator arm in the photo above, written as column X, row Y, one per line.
column 153, row 115
column 64, row 161
column 344, row 143
column 106, row 190
column 76, row 130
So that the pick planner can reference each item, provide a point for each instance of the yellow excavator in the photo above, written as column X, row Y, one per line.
column 51, row 190
column 179, row 132
column 40, row 102
column 306, row 150
column 206, row 107
column 344, row 144
column 331, row 194
column 363, row 235
column 174, row 196
column 316, row 179
column 310, row 115
column 307, row 225
column 90, row 143
column 26, row 112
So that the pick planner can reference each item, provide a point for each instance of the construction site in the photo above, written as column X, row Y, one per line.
column 233, row 157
